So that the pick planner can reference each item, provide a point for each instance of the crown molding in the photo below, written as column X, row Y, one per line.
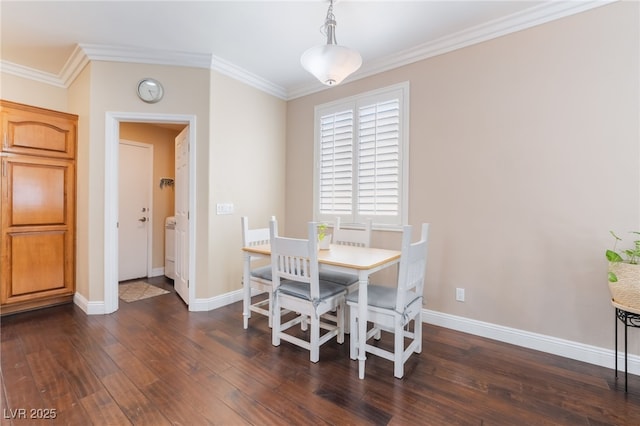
column 84, row 53
column 519, row 21
column 229, row 69
column 30, row 74
column 145, row 56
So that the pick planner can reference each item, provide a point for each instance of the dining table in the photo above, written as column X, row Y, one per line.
column 361, row 261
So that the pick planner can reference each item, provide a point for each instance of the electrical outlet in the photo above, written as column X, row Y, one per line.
column 460, row 294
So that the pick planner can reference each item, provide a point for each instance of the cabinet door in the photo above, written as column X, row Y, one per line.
column 34, row 131
column 37, row 228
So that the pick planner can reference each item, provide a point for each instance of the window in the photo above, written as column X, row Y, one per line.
column 361, row 158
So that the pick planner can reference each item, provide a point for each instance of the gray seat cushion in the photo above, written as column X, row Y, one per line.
column 303, row 290
column 263, row 272
column 381, row 297
column 338, row 278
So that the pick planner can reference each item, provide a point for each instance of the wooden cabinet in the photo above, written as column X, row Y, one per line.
column 37, row 218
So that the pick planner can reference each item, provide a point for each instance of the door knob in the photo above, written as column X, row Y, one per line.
column 144, row 219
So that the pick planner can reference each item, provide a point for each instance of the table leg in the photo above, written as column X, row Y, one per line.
column 615, row 318
column 625, row 351
column 246, row 287
column 363, row 277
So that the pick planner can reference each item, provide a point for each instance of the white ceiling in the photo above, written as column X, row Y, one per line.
column 259, row 40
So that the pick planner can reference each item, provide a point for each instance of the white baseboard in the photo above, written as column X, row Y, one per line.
column 553, row 345
column 156, row 272
column 217, row 302
column 89, row 308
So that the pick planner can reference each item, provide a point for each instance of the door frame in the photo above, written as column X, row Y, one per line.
column 149, row 147
column 111, row 170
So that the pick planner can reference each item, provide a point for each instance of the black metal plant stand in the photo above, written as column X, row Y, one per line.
column 629, row 319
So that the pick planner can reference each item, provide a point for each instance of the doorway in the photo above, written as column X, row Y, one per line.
column 112, row 139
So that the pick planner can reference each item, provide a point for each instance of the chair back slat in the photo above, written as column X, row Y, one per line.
column 413, row 263
column 352, row 237
column 254, row 237
column 295, row 259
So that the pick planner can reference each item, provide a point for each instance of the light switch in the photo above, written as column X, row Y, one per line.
column 224, row 208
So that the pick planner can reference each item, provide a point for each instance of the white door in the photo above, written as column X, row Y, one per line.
column 181, row 281
column 134, row 185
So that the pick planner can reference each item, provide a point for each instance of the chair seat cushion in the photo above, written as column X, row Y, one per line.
column 338, row 278
column 263, row 272
column 379, row 296
column 303, row 290
column 382, row 297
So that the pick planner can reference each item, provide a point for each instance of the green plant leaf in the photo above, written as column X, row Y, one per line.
column 612, row 256
column 615, row 236
column 613, row 278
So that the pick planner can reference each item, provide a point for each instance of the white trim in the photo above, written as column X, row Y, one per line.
column 537, row 15
column 112, row 140
column 97, row 52
column 217, row 301
column 603, row 357
column 553, row 345
column 89, row 308
column 157, row 272
column 31, row 74
column 249, row 78
column 74, row 66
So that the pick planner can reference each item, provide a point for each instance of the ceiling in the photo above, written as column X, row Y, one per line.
column 260, row 41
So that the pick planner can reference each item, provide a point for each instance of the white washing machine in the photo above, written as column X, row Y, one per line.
column 170, row 247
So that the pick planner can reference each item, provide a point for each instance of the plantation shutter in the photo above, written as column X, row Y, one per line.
column 336, row 163
column 361, row 149
column 379, row 159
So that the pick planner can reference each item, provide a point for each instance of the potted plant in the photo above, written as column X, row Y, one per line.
column 624, row 273
column 324, row 239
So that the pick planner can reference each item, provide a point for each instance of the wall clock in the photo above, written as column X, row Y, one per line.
column 150, row 90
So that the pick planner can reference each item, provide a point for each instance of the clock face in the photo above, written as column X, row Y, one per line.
column 150, row 90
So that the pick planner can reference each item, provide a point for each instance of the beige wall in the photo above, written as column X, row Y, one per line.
column 163, row 141
column 112, row 89
column 80, row 103
column 247, row 160
column 240, row 143
column 524, row 153
column 30, row 92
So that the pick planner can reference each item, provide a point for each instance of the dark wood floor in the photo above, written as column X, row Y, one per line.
column 154, row 363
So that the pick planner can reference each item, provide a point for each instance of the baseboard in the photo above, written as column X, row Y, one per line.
column 156, row 272
column 217, row 301
column 553, row 345
column 89, row 308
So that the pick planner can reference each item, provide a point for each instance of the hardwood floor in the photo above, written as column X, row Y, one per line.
column 154, row 363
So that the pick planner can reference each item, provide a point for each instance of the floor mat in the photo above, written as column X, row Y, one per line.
column 138, row 290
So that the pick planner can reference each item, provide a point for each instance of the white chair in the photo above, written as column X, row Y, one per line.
column 260, row 277
column 297, row 287
column 391, row 309
column 346, row 237
column 352, row 237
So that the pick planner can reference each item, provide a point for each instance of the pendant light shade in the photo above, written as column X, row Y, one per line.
column 331, row 63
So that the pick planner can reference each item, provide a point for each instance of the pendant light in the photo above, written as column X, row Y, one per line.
column 331, row 63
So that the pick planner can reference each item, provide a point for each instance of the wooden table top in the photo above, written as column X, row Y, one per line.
column 360, row 258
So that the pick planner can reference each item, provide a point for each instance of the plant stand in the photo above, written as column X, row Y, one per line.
column 629, row 319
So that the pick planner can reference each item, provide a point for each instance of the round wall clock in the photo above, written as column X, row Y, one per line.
column 150, row 90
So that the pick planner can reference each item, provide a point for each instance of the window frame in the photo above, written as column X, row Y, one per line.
column 398, row 91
